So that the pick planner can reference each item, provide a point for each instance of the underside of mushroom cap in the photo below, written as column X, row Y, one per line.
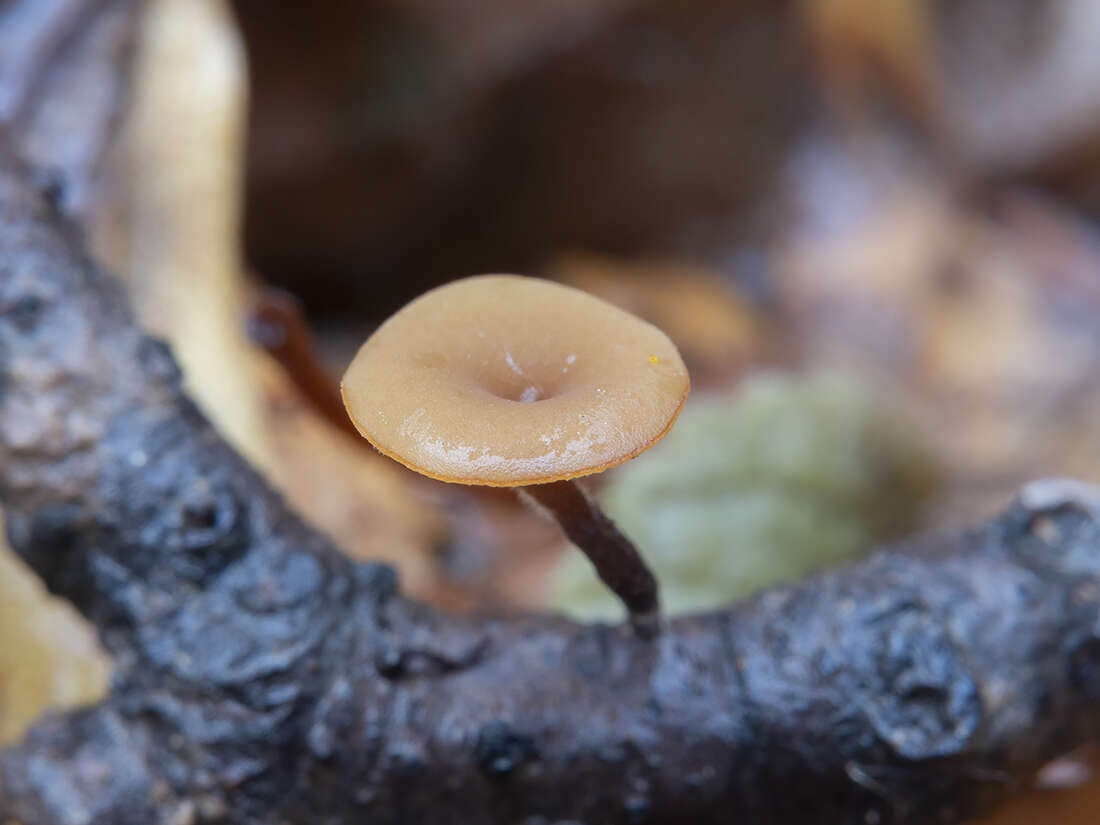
column 506, row 381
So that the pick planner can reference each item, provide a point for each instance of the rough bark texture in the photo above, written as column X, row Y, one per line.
column 264, row 678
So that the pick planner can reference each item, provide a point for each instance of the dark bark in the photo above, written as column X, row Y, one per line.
column 264, row 677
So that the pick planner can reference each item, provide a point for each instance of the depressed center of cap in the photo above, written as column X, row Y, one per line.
column 506, row 381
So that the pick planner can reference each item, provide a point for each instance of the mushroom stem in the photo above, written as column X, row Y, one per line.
column 617, row 561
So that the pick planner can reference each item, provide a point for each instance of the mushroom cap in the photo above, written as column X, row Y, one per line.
column 504, row 381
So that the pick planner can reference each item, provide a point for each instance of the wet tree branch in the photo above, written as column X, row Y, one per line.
column 263, row 677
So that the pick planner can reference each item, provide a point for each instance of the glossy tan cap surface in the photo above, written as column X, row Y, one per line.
column 506, row 381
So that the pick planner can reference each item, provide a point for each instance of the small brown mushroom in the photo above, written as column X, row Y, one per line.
column 508, row 381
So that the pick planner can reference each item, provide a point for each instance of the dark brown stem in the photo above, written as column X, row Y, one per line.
column 617, row 561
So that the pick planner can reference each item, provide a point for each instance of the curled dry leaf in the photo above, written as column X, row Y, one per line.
column 175, row 218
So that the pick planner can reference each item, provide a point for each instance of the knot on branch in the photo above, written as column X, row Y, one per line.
column 501, row 749
column 928, row 705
